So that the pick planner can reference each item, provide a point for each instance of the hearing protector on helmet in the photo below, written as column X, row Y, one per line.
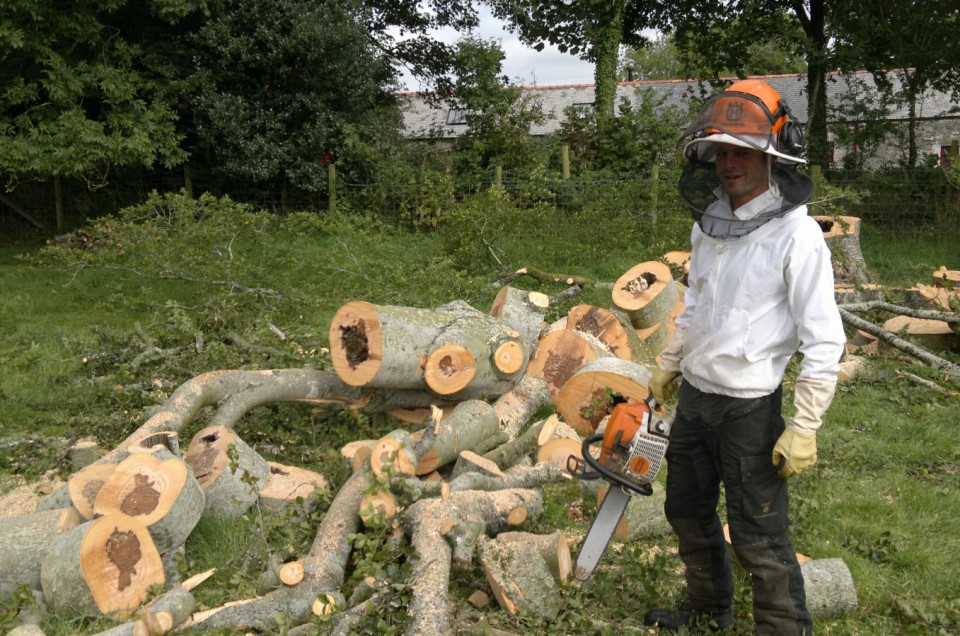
column 790, row 138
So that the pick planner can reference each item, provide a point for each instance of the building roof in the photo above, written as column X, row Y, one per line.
column 420, row 117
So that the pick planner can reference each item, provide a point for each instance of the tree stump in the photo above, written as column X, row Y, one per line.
column 842, row 234
column 464, row 428
column 561, row 354
column 24, row 541
column 101, row 567
column 519, row 577
column 931, row 334
column 646, row 293
column 162, row 494
column 595, row 389
column 84, row 486
column 613, row 329
column 949, row 278
column 228, row 470
column 445, row 350
column 523, row 311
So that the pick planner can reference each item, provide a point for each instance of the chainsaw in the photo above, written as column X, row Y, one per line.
column 633, row 446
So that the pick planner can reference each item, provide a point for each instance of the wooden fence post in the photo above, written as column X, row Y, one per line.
column 498, row 175
column 332, row 186
column 565, row 162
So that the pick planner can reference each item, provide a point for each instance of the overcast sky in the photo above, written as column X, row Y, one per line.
column 523, row 65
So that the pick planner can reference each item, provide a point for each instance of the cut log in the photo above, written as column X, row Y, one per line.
column 935, row 295
column 931, row 334
column 24, row 540
column 462, row 533
column 850, row 368
column 470, row 462
column 643, row 518
column 228, row 470
column 380, row 505
column 842, row 234
column 464, row 428
column 393, row 452
column 561, row 354
column 612, row 328
column 519, row 577
column 518, row 477
column 554, row 548
column 160, row 616
column 84, row 486
column 161, row 493
column 593, row 392
column 291, row 573
column 536, row 435
column 404, row 347
column 862, row 343
column 101, row 567
column 291, row 487
column 420, row 415
column 646, row 293
column 84, row 452
column 558, row 451
column 431, row 570
column 523, row 311
column 949, row 278
column 829, row 588
column 357, row 452
column 515, row 407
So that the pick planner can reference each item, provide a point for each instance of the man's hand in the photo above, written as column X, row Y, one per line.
column 662, row 384
column 796, row 451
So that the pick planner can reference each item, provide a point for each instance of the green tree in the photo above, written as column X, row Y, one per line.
column 594, row 30
column 909, row 47
column 499, row 116
column 718, row 32
column 661, row 59
column 74, row 101
column 279, row 83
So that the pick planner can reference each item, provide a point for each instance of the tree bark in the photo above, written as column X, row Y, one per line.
column 523, row 311
column 228, row 470
column 24, row 541
column 515, row 407
column 519, row 577
column 464, row 428
column 842, row 234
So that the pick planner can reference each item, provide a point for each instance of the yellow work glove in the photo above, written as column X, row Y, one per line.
column 797, row 451
column 662, row 384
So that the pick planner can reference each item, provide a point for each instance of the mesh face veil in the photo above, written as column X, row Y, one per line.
column 749, row 114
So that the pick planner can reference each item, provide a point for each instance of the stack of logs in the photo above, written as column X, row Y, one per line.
column 459, row 476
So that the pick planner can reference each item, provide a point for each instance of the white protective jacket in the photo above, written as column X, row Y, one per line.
column 753, row 301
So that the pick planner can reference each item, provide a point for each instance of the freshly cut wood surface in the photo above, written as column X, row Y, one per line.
column 561, row 354
column 944, row 277
column 228, row 470
column 163, row 494
column 932, row 334
column 557, row 451
column 646, row 293
column 594, row 390
column 101, row 567
column 84, row 486
column 608, row 328
column 286, row 484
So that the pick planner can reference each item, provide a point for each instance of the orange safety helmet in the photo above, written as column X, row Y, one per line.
column 748, row 113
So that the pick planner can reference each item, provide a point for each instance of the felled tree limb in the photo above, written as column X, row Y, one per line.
column 507, row 454
column 922, row 354
column 549, row 277
column 926, row 314
column 517, row 406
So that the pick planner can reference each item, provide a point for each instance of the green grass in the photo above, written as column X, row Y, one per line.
column 86, row 335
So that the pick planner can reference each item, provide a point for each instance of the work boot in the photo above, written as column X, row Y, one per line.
column 688, row 616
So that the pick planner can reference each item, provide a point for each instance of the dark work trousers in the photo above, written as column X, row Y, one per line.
column 717, row 439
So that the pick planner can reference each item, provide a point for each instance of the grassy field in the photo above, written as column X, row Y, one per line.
column 94, row 335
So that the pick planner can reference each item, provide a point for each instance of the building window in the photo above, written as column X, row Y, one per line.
column 582, row 109
column 457, row 116
column 946, row 156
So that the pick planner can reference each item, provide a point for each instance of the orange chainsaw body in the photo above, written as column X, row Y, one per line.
column 630, row 445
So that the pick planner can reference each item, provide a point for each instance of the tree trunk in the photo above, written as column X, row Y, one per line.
column 561, row 354
column 84, row 486
column 445, row 350
column 515, row 407
column 229, row 471
column 24, row 541
column 522, row 311
column 842, row 235
column 464, row 429
column 536, row 435
column 291, row 487
column 519, row 577
column 646, row 293
column 102, row 567
column 607, row 326
column 160, row 492
column 949, row 278
column 594, row 390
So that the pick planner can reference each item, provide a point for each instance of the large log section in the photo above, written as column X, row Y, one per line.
column 446, row 350
column 646, row 292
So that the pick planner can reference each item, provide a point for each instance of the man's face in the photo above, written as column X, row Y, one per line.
column 742, row 171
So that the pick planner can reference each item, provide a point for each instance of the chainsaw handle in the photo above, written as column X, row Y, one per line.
column 599, row 470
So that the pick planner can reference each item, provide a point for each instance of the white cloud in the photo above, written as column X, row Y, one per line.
column 522, row 64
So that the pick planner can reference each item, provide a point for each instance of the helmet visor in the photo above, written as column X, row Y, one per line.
column 739, row 115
